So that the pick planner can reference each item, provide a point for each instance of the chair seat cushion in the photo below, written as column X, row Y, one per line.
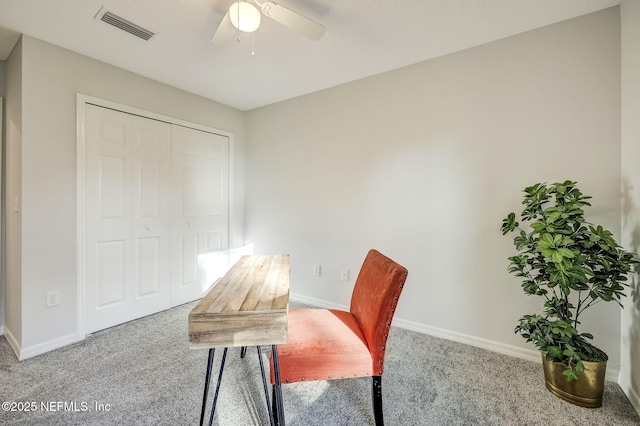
column 322, row 344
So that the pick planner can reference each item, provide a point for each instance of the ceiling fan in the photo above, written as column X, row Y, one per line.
column 244, row 16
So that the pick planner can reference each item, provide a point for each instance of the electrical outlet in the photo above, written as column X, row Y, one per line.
column 53, row 298
column 344, row 274
column 316, row 270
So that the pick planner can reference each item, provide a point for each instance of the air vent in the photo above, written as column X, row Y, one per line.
column 125, row 25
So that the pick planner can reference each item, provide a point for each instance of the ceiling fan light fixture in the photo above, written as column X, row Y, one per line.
column 244, row 16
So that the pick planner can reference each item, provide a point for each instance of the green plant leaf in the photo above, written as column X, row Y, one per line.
column 570, row 374
column 509, row 223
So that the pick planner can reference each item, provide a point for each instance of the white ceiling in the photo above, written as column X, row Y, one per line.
column 363, row 38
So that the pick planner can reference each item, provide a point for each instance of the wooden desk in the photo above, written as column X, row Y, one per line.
column 247, row 307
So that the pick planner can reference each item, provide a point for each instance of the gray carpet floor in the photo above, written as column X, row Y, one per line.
column 143, row 373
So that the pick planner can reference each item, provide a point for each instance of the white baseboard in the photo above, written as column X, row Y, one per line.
column 31, row 351
column 612, row 373
column 1, row 330
column 12, row 341
column 633, row 396
column 501, row 348
column 318, row 302
column 47, row 346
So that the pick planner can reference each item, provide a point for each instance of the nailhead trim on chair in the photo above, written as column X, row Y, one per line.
column 391, row 313
column 382, row 348
column 302, row 379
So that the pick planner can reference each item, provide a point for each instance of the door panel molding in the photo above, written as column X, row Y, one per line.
column 145, row 210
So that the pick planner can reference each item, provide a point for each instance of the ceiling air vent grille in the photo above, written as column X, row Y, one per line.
column 127, row 26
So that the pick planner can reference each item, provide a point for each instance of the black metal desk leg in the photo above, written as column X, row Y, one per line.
column 207, row 378
column 215, row 395
column 278, row 387
column 266, row 388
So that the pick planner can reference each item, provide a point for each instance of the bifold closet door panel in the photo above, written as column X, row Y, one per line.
column 201, row 231
column 128, row 215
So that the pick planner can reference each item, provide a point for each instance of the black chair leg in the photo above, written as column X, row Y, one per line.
column 376, row 393
column 243, row 351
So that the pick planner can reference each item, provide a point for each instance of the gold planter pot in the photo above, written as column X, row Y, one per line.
column 587, row 391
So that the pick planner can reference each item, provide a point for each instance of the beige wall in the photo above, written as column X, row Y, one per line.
column 425, row 161
column 630, row 341
column 51, row 77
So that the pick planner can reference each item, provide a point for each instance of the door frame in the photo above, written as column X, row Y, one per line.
column 81, row 101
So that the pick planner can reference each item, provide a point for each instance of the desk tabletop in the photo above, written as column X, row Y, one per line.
column 247, row 307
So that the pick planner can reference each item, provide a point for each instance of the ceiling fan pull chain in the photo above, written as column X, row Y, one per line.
column 253, row 44
column 238, row 27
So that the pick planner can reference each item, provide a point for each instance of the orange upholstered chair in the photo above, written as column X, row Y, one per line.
column 327, row 344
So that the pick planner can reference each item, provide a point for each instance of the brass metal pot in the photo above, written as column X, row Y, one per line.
column 587, row 391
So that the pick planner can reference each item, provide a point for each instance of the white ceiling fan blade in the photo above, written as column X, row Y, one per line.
column 225, row 33
column 293, row 20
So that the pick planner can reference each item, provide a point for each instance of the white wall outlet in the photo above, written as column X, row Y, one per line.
column 316, row 270
column 53, row 298
column 344, row 274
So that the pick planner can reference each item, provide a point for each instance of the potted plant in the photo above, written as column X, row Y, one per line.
column 572, row 265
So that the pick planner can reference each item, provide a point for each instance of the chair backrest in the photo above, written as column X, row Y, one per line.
column 373, row 302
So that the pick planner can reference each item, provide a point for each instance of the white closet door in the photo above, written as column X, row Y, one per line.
column 201, row 231
column 128, row 217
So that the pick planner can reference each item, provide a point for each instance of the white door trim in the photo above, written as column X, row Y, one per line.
column 81, row 101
